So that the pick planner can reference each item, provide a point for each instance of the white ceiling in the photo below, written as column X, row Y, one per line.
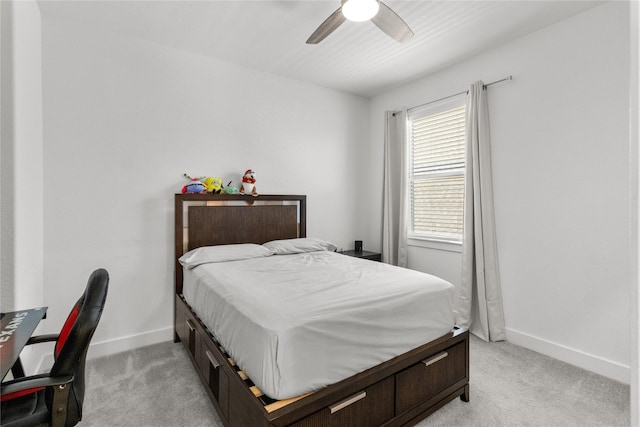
column 357, row 58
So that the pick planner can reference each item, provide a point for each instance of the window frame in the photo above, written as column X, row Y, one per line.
column 427, row 240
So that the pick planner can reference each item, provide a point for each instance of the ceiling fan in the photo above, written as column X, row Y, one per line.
column 363, row 10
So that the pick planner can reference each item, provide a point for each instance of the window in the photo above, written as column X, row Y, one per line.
column 436, row 170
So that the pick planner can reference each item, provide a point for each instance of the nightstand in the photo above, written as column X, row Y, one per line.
column 373, row 256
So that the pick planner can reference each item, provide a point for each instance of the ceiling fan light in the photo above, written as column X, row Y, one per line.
column 360, row 10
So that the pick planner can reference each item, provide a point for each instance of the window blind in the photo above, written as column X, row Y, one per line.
column 437, row 157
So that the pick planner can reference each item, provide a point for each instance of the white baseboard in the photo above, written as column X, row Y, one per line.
column 117, row 345
column 598, row 365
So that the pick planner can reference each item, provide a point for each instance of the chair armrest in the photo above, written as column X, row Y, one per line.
column 37, row 382
column 26, row 383
column 42, row 338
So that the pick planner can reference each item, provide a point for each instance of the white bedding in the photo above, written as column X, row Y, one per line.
column 297, row 323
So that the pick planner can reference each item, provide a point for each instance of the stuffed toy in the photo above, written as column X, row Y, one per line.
column 194, row 187
column 249, row 183
column 213, row 185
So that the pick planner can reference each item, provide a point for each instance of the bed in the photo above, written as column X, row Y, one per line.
column 400, row 390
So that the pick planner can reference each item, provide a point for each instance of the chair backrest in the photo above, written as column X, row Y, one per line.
column 71, row 347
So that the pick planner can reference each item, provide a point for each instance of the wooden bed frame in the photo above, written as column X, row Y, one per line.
column 398, row 392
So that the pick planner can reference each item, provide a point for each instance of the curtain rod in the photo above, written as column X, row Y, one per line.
column 456, row 94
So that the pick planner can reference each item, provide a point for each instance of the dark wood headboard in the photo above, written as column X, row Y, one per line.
column 223, row 219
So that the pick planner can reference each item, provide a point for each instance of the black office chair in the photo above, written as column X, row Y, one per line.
column 55, row 398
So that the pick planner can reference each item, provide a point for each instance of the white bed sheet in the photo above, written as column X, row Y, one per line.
column 297, row 323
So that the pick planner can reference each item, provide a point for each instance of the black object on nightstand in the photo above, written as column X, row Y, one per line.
column 373, row 256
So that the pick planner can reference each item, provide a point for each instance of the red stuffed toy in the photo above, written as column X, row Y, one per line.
column 249, row 183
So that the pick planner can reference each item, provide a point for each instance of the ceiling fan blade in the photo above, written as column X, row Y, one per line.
column 389, row 22
column 327, row 27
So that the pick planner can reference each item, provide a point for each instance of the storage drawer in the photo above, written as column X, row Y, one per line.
column 424, row 380
column 216, row 378
column 370, row 407
column 187, row 329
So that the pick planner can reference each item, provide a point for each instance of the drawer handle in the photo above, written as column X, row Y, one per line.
column 190, row 326
column 212, row 359
column 348, row 401
column 434, row 359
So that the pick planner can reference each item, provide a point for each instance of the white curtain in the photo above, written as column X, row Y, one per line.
column 394, row 217
column 479, row 301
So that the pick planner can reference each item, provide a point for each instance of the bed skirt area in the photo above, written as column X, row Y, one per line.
column 399, row 392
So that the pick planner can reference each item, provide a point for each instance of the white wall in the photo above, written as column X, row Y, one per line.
column 634, row 160
column 124, row 119
column 21, row 154
column 561, row 175
column 21, row 207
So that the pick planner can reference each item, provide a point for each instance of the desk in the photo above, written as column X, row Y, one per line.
column 16, row 329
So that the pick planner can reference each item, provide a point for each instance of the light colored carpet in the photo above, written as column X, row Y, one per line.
column 510, row 386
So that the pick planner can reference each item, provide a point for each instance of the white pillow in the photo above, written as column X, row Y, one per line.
column 221, row 253
column 296, row 246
